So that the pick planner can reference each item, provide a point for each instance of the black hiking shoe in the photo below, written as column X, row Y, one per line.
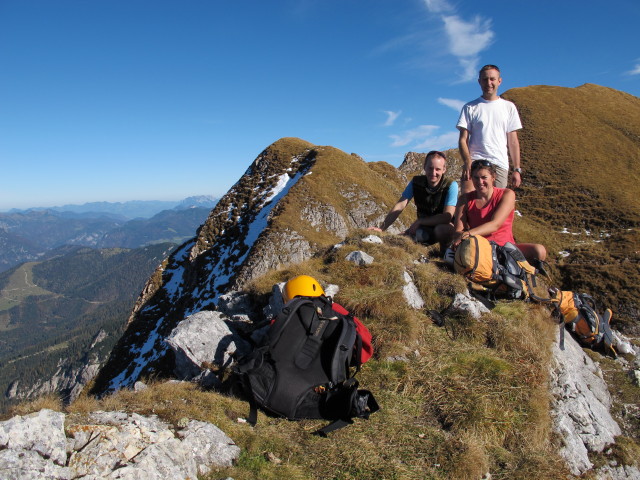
column 436, row 317
column 540, row 266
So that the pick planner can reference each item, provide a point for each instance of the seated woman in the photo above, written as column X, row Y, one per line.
column 488, row 211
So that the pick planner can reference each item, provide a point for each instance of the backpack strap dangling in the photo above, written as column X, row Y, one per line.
column 556, row 312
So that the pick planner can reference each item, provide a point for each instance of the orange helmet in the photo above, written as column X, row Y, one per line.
column 303, row 286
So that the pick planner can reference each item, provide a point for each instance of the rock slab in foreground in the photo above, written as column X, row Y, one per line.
column 112, row 445
column 581, row 407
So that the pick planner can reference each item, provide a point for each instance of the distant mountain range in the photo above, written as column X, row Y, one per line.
column 29, row 235
column 128, row 210
column 69, row 277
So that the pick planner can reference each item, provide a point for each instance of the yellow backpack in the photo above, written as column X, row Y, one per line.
column 497, row 270
column 577, row 311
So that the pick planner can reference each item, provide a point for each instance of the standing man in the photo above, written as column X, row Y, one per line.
column 488, row 131
column 435, row 199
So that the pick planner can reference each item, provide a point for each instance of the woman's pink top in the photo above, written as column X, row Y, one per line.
column 479, row 216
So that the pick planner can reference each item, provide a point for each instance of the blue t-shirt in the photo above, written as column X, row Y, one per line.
column 450, row 201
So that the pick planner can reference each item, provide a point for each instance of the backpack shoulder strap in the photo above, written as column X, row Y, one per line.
column 284, row 317
column 316, row 325
column 344, row 349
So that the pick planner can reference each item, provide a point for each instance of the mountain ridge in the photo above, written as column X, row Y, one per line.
column 252, row 231
column 127, row 210
column 28, row 236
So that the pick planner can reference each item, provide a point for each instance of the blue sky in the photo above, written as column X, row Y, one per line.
column 115, row 100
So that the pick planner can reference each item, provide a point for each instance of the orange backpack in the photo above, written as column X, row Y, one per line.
column 497, row 270
column 577, row 311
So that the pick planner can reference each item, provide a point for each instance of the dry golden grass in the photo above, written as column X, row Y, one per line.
column 50, row 401
column 464, row 400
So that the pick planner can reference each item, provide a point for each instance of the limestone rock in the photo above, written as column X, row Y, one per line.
column 580, row 410
column 465, row 303
column 276, row 301
column 622, row 344
column 122, row 446
column 360, row 258
column 29, row 465
column 618, row 472
column 208, row 445
column 113, row 445
column 200, row 338
column 41, row 432
column 331, row 290
column 325, row 217
column 372, row 239
column 236, row 305
column 411, row 293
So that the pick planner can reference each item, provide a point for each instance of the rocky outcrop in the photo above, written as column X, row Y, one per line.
column 581, row 407
column 203, row 341
column 466, row 303
column 110, row 445
column 411, row 293
column 413, row 164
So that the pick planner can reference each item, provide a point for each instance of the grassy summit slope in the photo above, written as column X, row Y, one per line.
column 456, row 402
column 580, row 152
column 581, row 160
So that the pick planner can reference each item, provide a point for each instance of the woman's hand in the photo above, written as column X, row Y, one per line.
column 458, row 237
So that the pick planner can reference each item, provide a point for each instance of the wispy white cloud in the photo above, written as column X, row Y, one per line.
column 440, row 142
column 391, row 117
column 470, row 67
column 466, row 38
column 635, row 70
column 424, row 138
column 451, row 103
column 438, row 6
column 417, row 134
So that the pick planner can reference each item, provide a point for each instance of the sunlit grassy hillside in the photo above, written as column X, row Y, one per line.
column 581, row 160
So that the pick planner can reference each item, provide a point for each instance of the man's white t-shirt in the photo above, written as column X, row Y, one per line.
column 488, row 122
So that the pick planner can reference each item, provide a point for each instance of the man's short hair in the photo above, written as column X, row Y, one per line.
column 489, row 67
column 435, row 153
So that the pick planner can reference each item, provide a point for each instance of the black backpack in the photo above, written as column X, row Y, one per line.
column 303, row 368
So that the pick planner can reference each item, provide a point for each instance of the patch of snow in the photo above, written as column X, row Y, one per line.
column 145, row 355
column 225, row 267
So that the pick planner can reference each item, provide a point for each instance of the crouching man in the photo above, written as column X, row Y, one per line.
column 435, row 198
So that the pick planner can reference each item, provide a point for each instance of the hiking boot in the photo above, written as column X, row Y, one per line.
column 436, row 317
column 540, row 266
